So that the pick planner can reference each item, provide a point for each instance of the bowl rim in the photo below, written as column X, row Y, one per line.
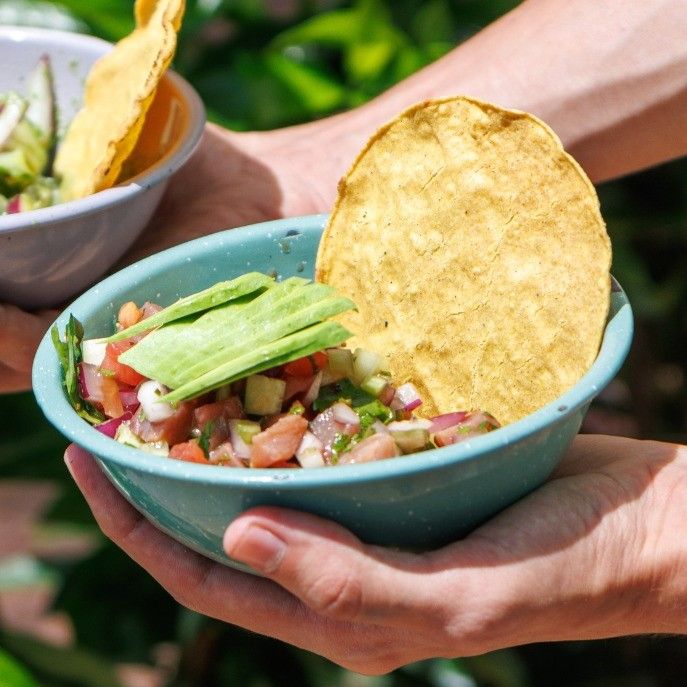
column 50, row 397
column 179, row 153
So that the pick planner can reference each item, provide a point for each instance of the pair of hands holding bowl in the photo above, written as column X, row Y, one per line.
column 593, row 553
column 596, row 552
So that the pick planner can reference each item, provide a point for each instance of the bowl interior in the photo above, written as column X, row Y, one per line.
column 175, row 115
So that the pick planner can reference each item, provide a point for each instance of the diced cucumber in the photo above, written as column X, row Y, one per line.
column 223, row 393
column 246, row 429
column 374, row 385
column 365, row 364
column 340, row 362
column 15, row 171
column 264, row 395
column 411, row 440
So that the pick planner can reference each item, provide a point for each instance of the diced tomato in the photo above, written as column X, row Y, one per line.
column 230, row 409
column 219, row 433
column 173, row 430
column 188, row 451
column 122, row 373
column 297, row 385
column 375, row 447
column 320, row 359
column 129, row 314
column 112, row 403
column 279, row 442
column 299, row 368
column 208, row 413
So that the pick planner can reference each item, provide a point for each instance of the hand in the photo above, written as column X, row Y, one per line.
column 598, row 551
column 232, row 180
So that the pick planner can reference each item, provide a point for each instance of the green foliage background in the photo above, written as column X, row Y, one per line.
column 258, row 65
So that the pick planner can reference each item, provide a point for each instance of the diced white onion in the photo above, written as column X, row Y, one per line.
column 409, row 425
column 149, row 397
column 93, row 351
column 310, row 452
column 379, row 427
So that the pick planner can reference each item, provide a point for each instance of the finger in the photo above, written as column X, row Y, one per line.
column 192, row 579
column 12, row 380
column 20, row 334
column 254, row 603
column 336, row 575
column 591, row 453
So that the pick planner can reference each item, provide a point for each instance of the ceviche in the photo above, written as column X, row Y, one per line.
column 250, row 373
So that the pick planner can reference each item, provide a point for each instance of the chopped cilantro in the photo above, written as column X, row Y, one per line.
column 297, row 408
column 343, row 390
column 69, row 353
column 341, row 443
column 204, row 438
column 372, row 411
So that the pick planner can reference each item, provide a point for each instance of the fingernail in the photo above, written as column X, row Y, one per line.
column 68, row 460
column 256, row 547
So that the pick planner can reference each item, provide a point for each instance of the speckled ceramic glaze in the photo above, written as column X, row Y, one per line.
column 418, row 501
column 48, row 255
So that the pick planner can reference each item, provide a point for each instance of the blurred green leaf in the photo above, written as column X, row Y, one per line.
column 368, row 59
column 317, row 92
column 109, row 19
column 71, row 667
column 12, row 674
column 434, row 22
column 338, row 28
column 116, row 608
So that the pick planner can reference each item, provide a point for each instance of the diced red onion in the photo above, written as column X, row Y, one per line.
column 407, row 397
column 388, row 394
column 109, row 428
column 441, row 422
column 342, row 412
column 325, row 428
column 129, row 400
column 478, row 419
column 90, row 383
column 150, row 309
column 314, row 390
column 13, row 205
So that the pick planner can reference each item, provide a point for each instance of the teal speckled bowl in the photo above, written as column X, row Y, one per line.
column 419, row 501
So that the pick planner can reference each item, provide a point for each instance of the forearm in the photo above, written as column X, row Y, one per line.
column 609, row 77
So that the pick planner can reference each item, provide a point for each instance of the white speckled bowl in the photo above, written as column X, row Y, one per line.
column 50, row 254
